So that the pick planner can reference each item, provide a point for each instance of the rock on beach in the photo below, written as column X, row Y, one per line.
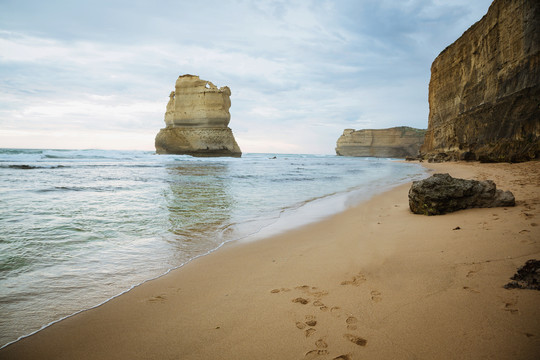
column 441, row 194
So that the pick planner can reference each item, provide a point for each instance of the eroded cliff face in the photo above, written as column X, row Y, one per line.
column 484, row 92
column 197, row 119
column 397, row 142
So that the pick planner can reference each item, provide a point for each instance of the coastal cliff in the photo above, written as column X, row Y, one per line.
column 397, row 142
column 197, row 119
column 484, row 91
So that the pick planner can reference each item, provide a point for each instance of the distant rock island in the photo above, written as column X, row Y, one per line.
column 197, row 120
column 484, row 93
column 396, row 142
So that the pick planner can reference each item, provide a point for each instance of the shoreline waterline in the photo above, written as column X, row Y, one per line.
column 288, row 220
column 374, row 281
column 188, row 174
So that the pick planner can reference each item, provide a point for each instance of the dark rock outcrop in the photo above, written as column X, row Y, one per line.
column 484, row 91
column 397, row 142
column 441, row 193
column 527, row 277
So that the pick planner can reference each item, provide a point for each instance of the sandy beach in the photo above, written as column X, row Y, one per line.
column 373, row 282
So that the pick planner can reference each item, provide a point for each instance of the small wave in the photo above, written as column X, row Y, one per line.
column 56, row 157
column 244, row 176
column 22, row 167
column 92, row 154
column 20, row 151
column 30, row 167
column 69, row 188
column 58, row 188
column 144, row 166
column 81, row 188
column 290, row 179
column 75, row 156
column 12, row 263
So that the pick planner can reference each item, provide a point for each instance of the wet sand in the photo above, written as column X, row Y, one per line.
column 374, row 282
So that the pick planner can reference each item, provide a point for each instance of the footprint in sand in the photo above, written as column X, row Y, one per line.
column 475, row 269
column 275, row 291
column 343, row 357
column 485, row 225
column 311, row 321
column 376, row 296
column 357, row 280
column 336, row 311
column 321, row 344
column 300, row 300
column 351, row 323
column 321, row 305
column 157, row 298
column 316, row 353
column 321, row 350
column 308, row 290
column 355, row 339
column 471, row 290
column 510, row 306
column 312, row 290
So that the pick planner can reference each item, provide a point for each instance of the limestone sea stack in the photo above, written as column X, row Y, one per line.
column 197, row 119
column 396, row 142
column 484, row 91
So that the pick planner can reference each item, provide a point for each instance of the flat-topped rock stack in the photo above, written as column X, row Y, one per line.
column 397, row 142
column 197, row 119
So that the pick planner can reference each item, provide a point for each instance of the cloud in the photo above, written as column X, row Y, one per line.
column 300, row 71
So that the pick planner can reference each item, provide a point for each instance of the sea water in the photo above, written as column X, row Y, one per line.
column 78, row 227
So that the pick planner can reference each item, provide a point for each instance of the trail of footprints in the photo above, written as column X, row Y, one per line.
column 308, row 325
column 509, row 305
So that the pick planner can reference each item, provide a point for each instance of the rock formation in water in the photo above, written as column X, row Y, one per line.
column 197, row 120
column 397, row 142
column 484, row 92
column 441, row 194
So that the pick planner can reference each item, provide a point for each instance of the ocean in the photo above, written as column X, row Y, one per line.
column 78, row 227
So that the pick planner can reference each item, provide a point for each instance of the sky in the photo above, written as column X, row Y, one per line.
column 97, row 74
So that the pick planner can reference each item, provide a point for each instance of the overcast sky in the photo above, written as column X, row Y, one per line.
column 97, row 74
